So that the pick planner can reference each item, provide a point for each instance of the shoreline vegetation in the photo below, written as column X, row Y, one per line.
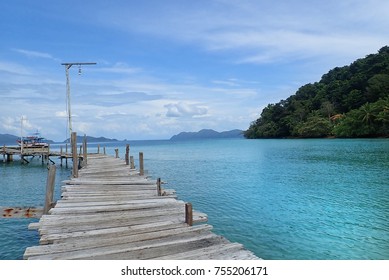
column 348, row 102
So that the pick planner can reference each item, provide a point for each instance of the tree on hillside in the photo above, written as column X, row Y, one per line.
column 358, row 94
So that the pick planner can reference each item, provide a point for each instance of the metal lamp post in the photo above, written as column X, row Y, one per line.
column 68, row 65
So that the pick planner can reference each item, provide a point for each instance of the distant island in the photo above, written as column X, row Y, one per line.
column 207, row 134
column 91, row 139
column 8, row 139
column 348, row 102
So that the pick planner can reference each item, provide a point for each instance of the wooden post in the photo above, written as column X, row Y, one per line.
column 98, row 148
column 4, row 153
column 61, row 155
column 85, row 156
column 104, row 151
column 189, row 214
column 141, row 166
column 66, row 155
column 132, row 163
column 117, row 153
column 49, row 189
column 127, row 154
column 74, row 155
column 159, row 191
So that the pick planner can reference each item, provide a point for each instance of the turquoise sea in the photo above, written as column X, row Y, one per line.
column 283, row 199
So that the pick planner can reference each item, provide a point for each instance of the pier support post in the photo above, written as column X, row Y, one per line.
column 117, row 153
column 66, row 155
column 127, row 154
column 189, row 214
column 61, row 155
column 104, row 151
column 98, row 148
column 74, row 155
column 141, row 166
column 85, row 150
column 159, row 190
column 132, row 162
column 49, row 189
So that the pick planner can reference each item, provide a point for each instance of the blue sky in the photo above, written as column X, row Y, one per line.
column 169, row 66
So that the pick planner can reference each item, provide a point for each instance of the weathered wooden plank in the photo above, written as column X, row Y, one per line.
column 161, row 249
column 69, row 237
column 206, row 252
column 33, row 226
column 111, row 182
column 71, row 199
column 114, row 223
column 66, row 203
column 82, row 194
column 112, row 239
column 109, row 252
column 101, row 188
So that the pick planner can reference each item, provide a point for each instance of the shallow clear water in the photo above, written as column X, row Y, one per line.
column 282, row 199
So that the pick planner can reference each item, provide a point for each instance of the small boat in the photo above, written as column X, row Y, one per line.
column 33, row 141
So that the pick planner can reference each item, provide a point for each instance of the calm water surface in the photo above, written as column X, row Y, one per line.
column 282, row 199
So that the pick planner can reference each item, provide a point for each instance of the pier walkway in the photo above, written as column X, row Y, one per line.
column 112, row 212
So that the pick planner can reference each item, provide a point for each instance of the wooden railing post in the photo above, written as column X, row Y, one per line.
column 98, row 148
column 117, row 153
column 189, row 214
column 132, row 162
column 85, row 155
column 141, row 166
column 66, row 155
column 49, row 189
column 127, row 154
column 74, row 155
column 159, row 190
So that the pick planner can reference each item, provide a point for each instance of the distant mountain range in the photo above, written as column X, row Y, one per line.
column 8, row 139
column 207, row 134
column 91, row 139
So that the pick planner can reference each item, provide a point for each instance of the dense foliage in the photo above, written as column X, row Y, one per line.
column 349, row 101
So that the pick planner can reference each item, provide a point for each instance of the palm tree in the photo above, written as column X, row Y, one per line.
column 368, row 114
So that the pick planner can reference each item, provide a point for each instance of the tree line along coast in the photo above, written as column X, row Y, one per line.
column 348, row 102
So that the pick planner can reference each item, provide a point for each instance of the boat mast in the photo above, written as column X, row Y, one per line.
column 21, row 134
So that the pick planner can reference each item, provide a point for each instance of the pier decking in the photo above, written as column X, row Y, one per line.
column 113, row 212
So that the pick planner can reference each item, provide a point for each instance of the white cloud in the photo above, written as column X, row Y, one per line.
column 119, row 68
column 183, row 109
column 35, row 54
column 14, row 68
column 264, row 31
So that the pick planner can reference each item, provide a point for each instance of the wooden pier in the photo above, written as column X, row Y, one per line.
column 112, row 211
column 8, row 153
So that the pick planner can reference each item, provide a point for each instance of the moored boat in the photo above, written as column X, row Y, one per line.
column 33, row 141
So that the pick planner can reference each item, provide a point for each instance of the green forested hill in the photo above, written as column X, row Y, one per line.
column 349, row 101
